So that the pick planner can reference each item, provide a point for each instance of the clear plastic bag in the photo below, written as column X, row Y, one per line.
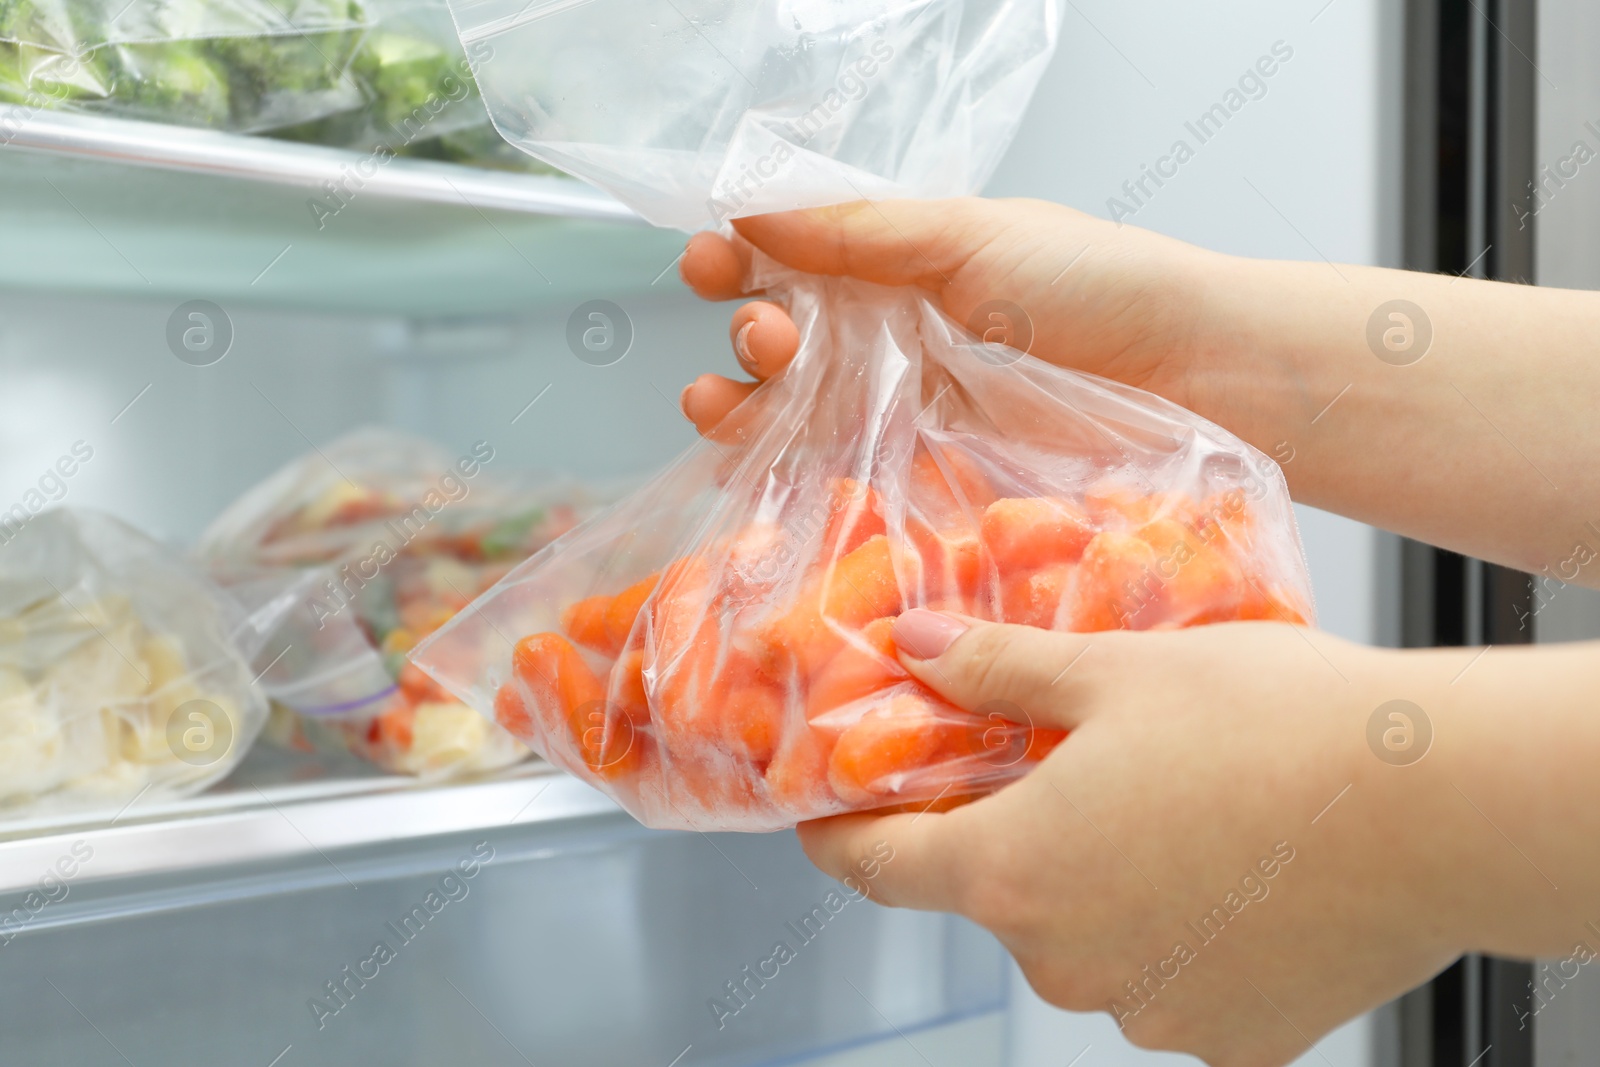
column 714, row 651
column 363, row 547
column 239, row 65
column 764, row 106
column 348, row 73
column 124, row 674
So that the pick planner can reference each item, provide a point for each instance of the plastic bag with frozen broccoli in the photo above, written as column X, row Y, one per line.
column 365, row 74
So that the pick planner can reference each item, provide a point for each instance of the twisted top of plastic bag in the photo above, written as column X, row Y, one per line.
column 697, row 111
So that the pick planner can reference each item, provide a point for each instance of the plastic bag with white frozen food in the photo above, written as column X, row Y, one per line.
column 121, row 671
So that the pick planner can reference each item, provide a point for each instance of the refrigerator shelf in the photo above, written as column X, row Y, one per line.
column 118, row 207
column 522, row 910
column 180, row 148
column 279, row 808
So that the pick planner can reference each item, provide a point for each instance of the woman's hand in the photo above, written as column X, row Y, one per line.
column 1115, row 301
column 1451, row 410
column 1218, row 854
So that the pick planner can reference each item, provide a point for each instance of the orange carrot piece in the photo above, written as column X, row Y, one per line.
column 511, row 711
column 863, row 666
column 1271, row 605
column 855, row 513
column 797, row 777
column 1116, row 587
column 565, row 690
column 874, row 753
column 1025, row 533
column 415, row 683
column 608, row 742
column 1199, row 582
column 585, row 622
column 1034, row 599
column 394, row 725
column 627, row 686
column 624, row 609
column 849, row 594
column 752, row 721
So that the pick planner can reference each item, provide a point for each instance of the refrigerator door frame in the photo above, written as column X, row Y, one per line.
column 1471, row 101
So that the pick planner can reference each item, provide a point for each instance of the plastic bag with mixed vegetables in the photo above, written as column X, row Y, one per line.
column 367, row 545
column 124, row 673
column 715, row 651
column 348, row 73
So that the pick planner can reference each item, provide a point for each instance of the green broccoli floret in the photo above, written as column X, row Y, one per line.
column 409, row 81
column 174, row 82
column 286, row 63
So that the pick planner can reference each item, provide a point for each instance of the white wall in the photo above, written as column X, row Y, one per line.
column 1308, row 170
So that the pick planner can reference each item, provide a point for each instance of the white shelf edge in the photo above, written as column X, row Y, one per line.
column 179, row 148
column 209, row 831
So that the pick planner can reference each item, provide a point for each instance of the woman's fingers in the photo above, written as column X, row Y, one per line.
column 764, row 338
column 707, row 402
column 974, row 664
column 714, row 266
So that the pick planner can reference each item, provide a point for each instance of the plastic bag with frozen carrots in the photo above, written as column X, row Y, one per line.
column 715, row 651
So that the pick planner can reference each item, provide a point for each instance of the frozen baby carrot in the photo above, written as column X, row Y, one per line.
column 752, row 721
column 1024, row 533
column 1116, row 587
column 855, row 513
column 624, row 609
column 567, row 692
column 1198, row 582
column 585, row 622
column 797, row 777
column 847, row 594
column 1035, row 598
column 874, row 754
column 866, row 664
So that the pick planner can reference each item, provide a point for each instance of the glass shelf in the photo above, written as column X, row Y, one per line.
column 526, row 919
column 131, row 208
column 336, row 803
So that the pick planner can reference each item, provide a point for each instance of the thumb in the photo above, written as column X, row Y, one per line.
column 971, row 663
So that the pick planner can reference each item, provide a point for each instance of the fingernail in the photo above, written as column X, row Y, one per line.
column 926, row 634
column 683, row 401
column 741, row 345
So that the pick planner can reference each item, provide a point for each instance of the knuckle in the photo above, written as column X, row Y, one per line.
column 988, row 667
column 1019, row 664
